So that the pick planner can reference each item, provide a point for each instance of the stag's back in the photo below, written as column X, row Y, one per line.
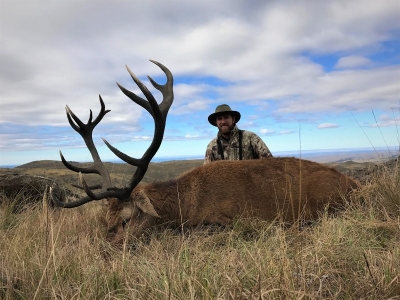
column 273, row 188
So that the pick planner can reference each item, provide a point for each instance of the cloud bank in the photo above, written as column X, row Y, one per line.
column 278, row 61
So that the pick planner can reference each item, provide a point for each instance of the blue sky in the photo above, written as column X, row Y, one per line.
column 305, row 75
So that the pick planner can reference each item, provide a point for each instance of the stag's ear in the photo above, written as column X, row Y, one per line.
column 144, row 204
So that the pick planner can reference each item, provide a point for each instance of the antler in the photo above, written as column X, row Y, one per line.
column 159, row 114
column 86, row 131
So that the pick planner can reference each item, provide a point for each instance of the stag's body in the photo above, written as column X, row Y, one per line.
column 284, row 189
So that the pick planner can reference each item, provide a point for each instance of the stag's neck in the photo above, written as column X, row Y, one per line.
column 166, row 198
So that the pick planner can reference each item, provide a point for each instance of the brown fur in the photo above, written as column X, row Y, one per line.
column 286, row 189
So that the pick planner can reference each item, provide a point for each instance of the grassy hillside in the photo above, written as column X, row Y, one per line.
column 63, row 255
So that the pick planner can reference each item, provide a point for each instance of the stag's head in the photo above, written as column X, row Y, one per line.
column 119, row 208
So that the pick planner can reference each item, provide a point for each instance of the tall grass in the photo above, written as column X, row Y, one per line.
column 62, row 254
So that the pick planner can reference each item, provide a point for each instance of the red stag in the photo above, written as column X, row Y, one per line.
column 286, row 189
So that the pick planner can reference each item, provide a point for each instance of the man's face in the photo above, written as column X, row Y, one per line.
column 225, row 123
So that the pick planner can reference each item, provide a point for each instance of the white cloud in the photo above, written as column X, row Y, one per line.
column 286, row 132
column 327, row 125
column 352, row 61
column 142, row 138
column 266, row 131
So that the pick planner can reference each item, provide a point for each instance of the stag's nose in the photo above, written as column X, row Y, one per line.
column 112, row 230
column 110, row 236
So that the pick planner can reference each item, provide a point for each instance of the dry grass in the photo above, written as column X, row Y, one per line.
column 63, row 255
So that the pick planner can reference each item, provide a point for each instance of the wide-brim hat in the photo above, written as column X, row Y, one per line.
column 221, row 110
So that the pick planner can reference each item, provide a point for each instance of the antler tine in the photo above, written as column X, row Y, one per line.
column 76, row 168
column 166, row 89
column 71, row 204
column 90, row 197
column 86, row 132
column 135, row 98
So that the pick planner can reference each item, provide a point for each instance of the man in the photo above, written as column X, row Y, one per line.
column 232, row 143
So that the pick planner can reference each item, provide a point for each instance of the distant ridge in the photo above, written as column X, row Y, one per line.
column 55, row 164
column 46, row 164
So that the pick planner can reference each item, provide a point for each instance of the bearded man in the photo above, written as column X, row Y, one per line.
column 232, row 143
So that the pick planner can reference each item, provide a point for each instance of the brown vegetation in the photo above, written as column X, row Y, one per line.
column 355, row 255
column 22, row 190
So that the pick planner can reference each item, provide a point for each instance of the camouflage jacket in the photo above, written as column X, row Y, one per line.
column 253, row 147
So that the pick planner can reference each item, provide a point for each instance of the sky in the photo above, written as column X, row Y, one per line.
column 305, row 75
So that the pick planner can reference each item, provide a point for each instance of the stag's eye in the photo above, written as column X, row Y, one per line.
column 125, row 222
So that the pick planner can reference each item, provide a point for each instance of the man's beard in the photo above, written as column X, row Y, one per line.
column 226, row 129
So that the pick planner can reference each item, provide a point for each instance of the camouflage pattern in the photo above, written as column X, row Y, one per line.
column 253, row 147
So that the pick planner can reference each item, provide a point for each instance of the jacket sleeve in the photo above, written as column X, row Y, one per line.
column 209, row 157
column 259, row 147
